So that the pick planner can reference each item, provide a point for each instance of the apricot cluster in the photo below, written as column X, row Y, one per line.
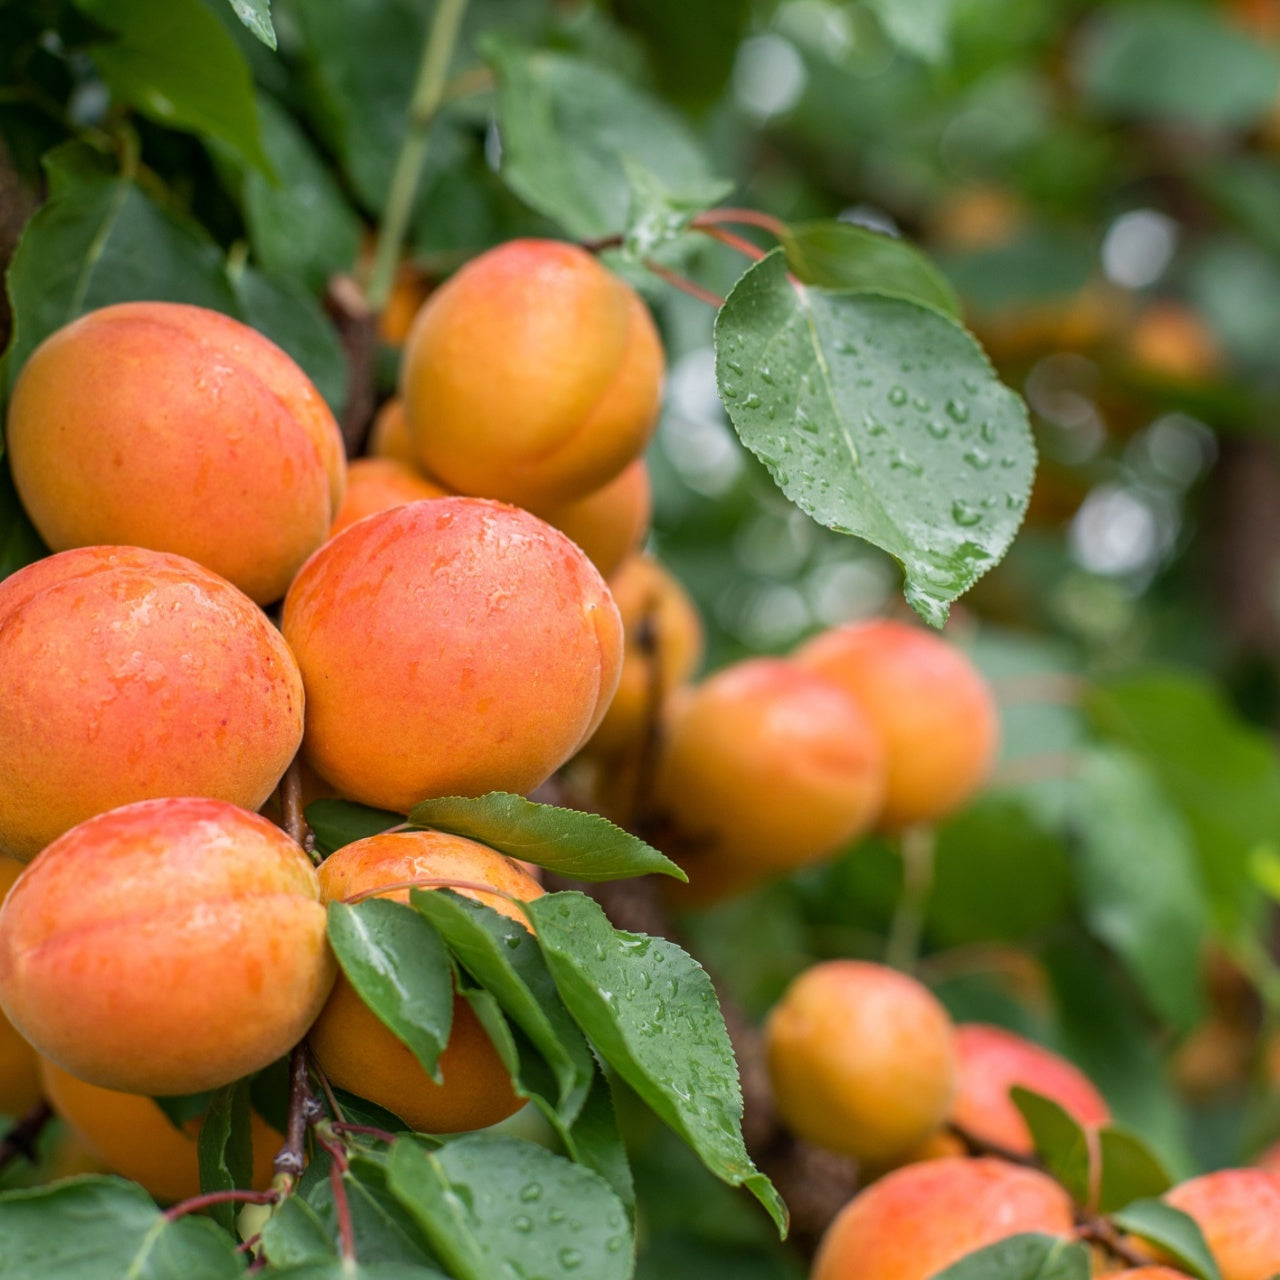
column 434, row 640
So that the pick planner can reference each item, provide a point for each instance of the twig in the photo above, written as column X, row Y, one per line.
column 337, row 1182
column 291, row 812
column 357, row 326
column 684, row 284
column 744, row 218
column 740, row 243
column 1101, row 1232
column 21, row 1139
column 978, row 1146
column 343, row 1126
column 916, row 848
column 196, row 1203
column 304, row 1109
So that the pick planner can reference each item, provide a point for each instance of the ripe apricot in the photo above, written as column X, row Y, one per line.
column 533, row 375
column 649, row 599
column 155, row 424
column 389, row 435
column 929, row 704
column 128, row 674
column 378, row 484
column 357, row 1051
column 165, row 947
column 862, row 1060
column 131, row 1136
column 1238, row 1210
column 919, row 1220
column 993, row 1060
column 611, row 522
column 767, row 767
column 19, row 1062
column 450, row 647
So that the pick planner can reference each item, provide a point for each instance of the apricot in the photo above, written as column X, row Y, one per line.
column 927, row 701
column 129, row 1135
column 862, row 1060
column 389, row 435
column 19, row 1063
column 767, row 767
column 1169, row 340
column 648, row 597
column 919, row 1220
column 611, row 522
column 357, row 1051
column 128, row 674
column 155, row 424
column 165, row 947
column 1238, row 1210
column 991, row 1062
column 450, row 647
column 378, row 484
column 533, row 375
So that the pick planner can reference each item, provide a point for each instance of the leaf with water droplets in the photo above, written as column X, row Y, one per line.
column 494, row 1206
column 652, row 1014
column 881, row 417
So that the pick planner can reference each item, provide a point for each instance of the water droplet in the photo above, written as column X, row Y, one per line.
column 729, row 393
column 922, row 404
column 1008, row 463
column 970, row 385
column 555, row 1217
column 988, row 432
column 806, row 423
column 938, row 430
column 522, row 1224
column 900, row 462
column 957, row 410
column 1012, row 501
column 846, row 348
column 898, row 395
column 978, row 459
column 875, row 428
column 614, row 1244
column 569, row 1258
column 752, row 401
column 964, row 515
column 734, row 365
column 530, row 1192
column 766, row 376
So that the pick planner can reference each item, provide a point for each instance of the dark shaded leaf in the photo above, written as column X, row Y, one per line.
column 1174, row 1231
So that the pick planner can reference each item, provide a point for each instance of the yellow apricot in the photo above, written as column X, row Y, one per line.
column 155, row 424
column 389, row 435
column 357, row 1051
column 1238, row 1210
column 611, row 522
column 378, row 484
column 862, row 1060
column 533, row 376
column 128, row 674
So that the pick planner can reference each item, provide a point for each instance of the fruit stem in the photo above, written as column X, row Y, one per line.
column 20, row 1140
column 742, row 217
column 337, row 1175
column 683, row 283
column 292, row 814
column 740, row 243
column 184, row 1207
column 428, row 92
column 915, row 847
column 304, row 1108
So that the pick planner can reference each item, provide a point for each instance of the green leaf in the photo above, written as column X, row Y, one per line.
column 175, row 62
column 1022, row 1257
column 1130, row 1170
column 256, row 15
column 495, row 1206
column 1059, row 1141
column 360, row 1270
column 595, row 1141
column 183, row 1108
column 659, row 214
column 300, row 225
column 652, row 1014
column 397, row 963
column 1164, row 60
column 922, row 27
column 296, row 1234
column 842, row 255
column 1140, row 884
column 88, row 1228
column 582, row 846
column 336, row 823
column 225, row 1149
column 503, row 957
column 565, row 123
column 1220, row 772
column 881, row 418
column 1173, row 1231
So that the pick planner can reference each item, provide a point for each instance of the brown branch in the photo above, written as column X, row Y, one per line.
column 196, row 1203
column 292, row 816
column 1101, row 1232
column 357, row 327
column 979, row 1146
column 743, row 218
column 382, row 1135
column 21, row 1139
column 304, row 1109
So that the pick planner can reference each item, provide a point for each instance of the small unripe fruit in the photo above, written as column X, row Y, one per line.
column 862, row 1060
column 1238, row 1210
column 930, row 705
column 166, row 947
column 173, row 427
column 128, row 674
column 533, row 376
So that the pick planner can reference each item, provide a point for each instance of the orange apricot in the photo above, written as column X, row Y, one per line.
column 767, row 767
column 991, row 1062
column 1169, row 340
column 357, row 1051
column 651, row 601
column 128, row 674
column 611, row 522
column 1238, row 1210
column 378, row 484
column 389, row 435
column 129, row 1135
column 919, row 1220
column 862, row 1060
column 165, row 947
column 155, row 424
column 19, row 1063
column 450, row 647
column 928, row 702
column 533, row 376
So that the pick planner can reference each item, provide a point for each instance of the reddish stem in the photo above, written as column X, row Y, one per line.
column 303, row 1109
column 684, row 284
column 744, row 218
column 343, row 1126
column 341, row 1205
column 742, row 245
column 184, row 1207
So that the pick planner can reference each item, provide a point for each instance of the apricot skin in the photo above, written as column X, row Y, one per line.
column 131, row 1136
column 993, row 1060
column 862, row 1060
column 19, row 1063
column 357, row 1051
column 1238, row 1210
column 450, row 647
column 611, row 522
column 128, row 674
column 160, row 425
column 919, row 1220
column 378, row 484
column 166, row 947
column 389, row 435
column 533, row 376
column 767, row 767
column 928, row 702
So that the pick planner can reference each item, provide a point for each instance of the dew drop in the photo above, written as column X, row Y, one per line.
column 900, row 462
column 938, row 430
column 569, row 1259
column 846, row 348
column 964, row 515
column 957, row 410
column 970, row 385
column 988, row 432
column 766, row 376
column 752, row 401
column 922, row 404
column 898, row 396
column 530, row 1192
column 734, row 365
column 729, row 392
column 1008, row 463
column 978, row 459
column 522, row 1224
